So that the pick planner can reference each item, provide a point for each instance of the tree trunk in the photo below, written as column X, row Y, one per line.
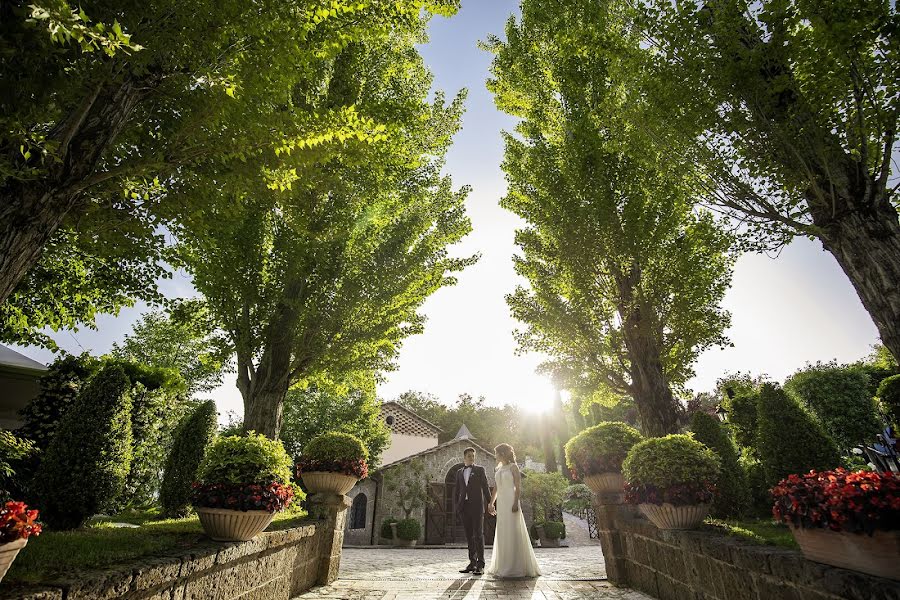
column 867, row 247
column 31, row 211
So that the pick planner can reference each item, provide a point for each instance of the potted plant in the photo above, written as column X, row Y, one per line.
column 595, row 455
column 671, row 479
column 243, row 481
column 332, row 463
column 549, row 533
column 387, row 529
column 17, row 524
column 406, row 533
column 844, row 518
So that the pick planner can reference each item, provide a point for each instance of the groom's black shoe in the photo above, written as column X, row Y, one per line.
column 468, row 569
column 478, row 571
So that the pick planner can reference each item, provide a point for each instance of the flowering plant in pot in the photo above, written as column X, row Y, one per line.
column 332, row 463
column 671, row 479
column 848, row 519
column 595, row 455
column 17, row 524
column 243, row 481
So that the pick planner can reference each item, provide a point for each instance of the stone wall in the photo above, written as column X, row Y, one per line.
column 704, row 565
column 362, row 537
column 276, row 565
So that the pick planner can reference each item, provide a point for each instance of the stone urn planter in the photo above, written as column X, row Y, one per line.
column 605, row 483
column 225, row 525
column 325, row 482
column 404, row 542
column 878, row 554
column 666, row 516
column 8, row 553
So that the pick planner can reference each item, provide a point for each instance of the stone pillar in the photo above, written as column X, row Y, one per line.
column 608, row 507
column 332, row 509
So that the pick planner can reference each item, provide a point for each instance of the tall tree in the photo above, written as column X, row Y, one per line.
column 791, row 108
column 99, row 99
column 319, row 266
column 625, row 276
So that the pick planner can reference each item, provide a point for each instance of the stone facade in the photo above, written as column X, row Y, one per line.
column 702, row 565
column 276, row 565
column 364, row 492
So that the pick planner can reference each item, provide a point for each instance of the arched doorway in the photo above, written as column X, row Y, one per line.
column 441, row 523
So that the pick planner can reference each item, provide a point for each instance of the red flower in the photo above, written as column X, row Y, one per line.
column 17, row 522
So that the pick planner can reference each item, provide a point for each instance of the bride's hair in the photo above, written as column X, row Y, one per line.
column 505, row 453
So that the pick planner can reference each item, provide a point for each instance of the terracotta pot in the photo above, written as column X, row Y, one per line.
column 324, row 482
column 666, row 516
column 225, row 525
column 878, row 554
column 8, row 553
column 605, row 483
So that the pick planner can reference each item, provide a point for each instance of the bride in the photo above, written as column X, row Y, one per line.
column 512, row 555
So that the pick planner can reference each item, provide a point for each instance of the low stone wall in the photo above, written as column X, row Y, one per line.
column 276, row 565
column 703, row 565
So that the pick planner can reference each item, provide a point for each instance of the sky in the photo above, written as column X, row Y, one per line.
column 787, row 311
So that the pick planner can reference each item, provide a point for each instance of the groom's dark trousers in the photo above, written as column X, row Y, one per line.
column 471, row 503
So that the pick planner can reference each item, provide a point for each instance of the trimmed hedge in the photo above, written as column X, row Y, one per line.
column 731, row 486
column 668, row 461
column 88, row 461
column 245, row 459
column 742, row 418
column 889, row 394
column 553, row 530
column 409, row 529
column 601, row 448
column 386, row 531
column 841, row 400
column 193, row 436
column 790, row 440
column 336, row 446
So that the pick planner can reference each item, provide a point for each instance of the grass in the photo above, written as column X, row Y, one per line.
column 101, row 544
column 757, row 531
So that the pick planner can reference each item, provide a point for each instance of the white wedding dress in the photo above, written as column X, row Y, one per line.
column 512, row 555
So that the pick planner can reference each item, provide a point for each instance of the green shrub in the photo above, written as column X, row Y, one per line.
column 601, row 448
column 245, row 459
column 841, row 400
column 670, row 461
column 18, row 459
column 731, row 486
column 889, row 394
column 88, row 461
column 578, row 497
column 742, row 418
column 194, row 434
column 544, row 491
column 386, row 531
column 336, row 446
column 790, row 440
column 409, row 529
column 759, row 499
column 553, row 530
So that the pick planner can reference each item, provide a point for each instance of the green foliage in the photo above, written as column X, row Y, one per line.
column 731, row 486
column 889, row 394
column 578, row 497
column 386, row 531
column 245, row 459
column 87, row 463
column 601, row 448
column 336, row 445
column 545, row 492
column 790, row 440
column 670, row 461
column 839, row 396
column 553, row 530
column 193, row 436
column 18, row 459
column 759, row 498
column 743, row 419
column 613, row 250
column 319, row 409
column 406, row 483
column 409, row 529
column 182, row 339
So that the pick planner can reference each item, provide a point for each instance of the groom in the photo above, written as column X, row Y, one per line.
column 472, row 497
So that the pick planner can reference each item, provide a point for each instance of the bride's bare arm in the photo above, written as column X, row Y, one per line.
column 517, row 482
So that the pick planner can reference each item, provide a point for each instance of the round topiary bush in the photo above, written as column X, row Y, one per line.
column 578, row 497
column 193, row 436
column 335, row 452
column 731, row 485
column 409, row 529
column 89, row 458
column 601, row 448
column 889, row 394
column 676, row 469
column 553, row 530
column 789, row 440
column 386, row 531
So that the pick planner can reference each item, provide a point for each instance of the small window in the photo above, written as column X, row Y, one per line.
column 358, row 512
column 389, row 419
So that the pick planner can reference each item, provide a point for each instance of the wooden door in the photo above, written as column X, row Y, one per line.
column 436, row 515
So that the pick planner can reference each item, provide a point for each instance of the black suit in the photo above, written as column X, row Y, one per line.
column 471, row 503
